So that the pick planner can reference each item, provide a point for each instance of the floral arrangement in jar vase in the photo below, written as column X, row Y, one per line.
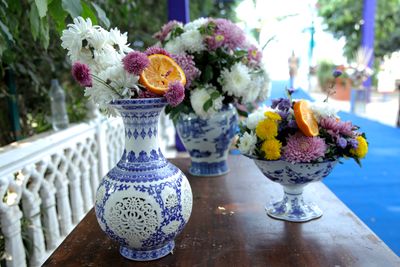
column 295, row 142
column 144, row 201
column 222, row 69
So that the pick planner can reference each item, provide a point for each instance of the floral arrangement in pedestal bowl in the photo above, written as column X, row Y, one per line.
column 222, row 69
column 144, row 201
column 295, row 142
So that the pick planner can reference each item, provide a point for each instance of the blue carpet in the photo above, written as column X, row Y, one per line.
column 372, row 192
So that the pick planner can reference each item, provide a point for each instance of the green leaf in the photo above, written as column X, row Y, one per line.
column 42, row 7
column 34, row 21
column 101, row 15
column 207, row 74
column 73, row 7
column 208, row 104
column 6, row 32
column 58, row 15
column 214, row 95
column 44, row 33
column 88, row 13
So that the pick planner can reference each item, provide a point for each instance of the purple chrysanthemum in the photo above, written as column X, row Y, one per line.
column 81, row 73
column 336, row 127
column 225, row 34
column 167, row 28
column 301, row 148
column 135, row 62
column 341, row 142
column 283, row 104
column 156, row 50
column 186, row 62
column 175, row 93
column 147, row 94
column 254, row 55
column 353, row 143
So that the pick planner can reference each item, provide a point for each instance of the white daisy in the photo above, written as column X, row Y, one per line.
column 175, row 46
column 247, row 143
column 119, row 41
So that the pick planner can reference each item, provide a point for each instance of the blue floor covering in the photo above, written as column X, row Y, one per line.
column 372, row 192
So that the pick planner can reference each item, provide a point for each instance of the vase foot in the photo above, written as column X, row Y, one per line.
column 209, row 168
column 294, row 211
column 147, row 255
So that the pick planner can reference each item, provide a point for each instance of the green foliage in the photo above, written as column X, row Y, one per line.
column 344, row 19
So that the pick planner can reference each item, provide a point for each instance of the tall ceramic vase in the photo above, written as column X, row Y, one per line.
column 293, row 178
column 144, row 202
column 208, row 140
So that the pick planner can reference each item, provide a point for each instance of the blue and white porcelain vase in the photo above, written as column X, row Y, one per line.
column 144, row 202
column 293, row 178
column 208, row 140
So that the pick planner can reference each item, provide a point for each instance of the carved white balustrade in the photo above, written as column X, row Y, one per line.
column 48, row 183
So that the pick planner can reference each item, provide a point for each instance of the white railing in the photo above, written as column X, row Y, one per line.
column 48, row 183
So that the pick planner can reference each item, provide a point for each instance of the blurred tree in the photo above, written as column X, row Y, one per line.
column 343, row 18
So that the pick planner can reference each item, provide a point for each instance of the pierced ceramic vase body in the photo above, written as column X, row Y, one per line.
column 293, row 178
column 208, row 140
column 144, row 201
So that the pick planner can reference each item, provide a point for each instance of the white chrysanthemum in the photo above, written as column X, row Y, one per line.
column 264, row 86
column 192, row 41
column 194, row 25
column 106, row 58
column 255, row 86
column 102, row 95
column 98, row 38
column 236, row 81
column 255, row 117
column 119, row 41
column 247, row 143
column 75, row 35
column 200, row 96
column 120, row 80
column 175, row 46
column 323, row 110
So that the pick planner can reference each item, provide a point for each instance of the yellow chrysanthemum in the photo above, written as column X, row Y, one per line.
column 272, row 115
column 267, row 129
column 362, row 148
column 272, row 149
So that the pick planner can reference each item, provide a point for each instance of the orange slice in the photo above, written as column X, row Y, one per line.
column 161, row 71
column 305, row 118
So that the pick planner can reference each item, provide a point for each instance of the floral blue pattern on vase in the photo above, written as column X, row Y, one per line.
column 294, row 177
column 208, row 140
column 144, row 202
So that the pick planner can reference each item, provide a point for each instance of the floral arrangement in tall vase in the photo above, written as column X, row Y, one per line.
column 144, row 201
column 223, row 69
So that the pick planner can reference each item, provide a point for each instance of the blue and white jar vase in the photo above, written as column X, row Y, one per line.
column 144, row 202
column 293, row 178
column 208, row 140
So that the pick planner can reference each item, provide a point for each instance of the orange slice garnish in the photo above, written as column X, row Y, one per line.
column 161, row 71
column 305, row 118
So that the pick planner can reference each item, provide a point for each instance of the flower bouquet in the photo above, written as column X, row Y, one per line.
column 295, row 142
column 222, row 69
column 137, row 86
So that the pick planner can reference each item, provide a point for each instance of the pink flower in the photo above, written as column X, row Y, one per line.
column 156, row 50
column 186, row 62
column 135, row 62
column 175, row 93
column 301, row 148
column 336, row 127
column 226, row 34
column 147, row 94
column 81, row 74
column 254, row 55
column 167, row 28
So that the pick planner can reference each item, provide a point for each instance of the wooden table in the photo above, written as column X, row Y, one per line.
column 229, row 227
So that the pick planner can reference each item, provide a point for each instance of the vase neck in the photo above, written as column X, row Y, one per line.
column 141, row 132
